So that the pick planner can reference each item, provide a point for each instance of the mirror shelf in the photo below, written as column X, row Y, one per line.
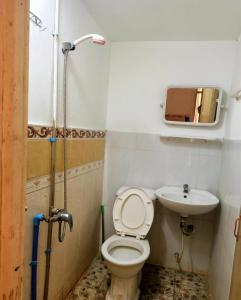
column 192, row 138
column 192, row 106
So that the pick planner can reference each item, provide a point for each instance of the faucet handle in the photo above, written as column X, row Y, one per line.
column 67, row 217
column 186, row 188
column 70, row 222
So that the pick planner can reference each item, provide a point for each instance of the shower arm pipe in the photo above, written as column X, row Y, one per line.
column 96, row 39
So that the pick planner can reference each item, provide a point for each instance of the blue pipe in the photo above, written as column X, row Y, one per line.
column 36, row 222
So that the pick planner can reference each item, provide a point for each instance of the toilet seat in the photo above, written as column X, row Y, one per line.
column 133, row 213
column 116, row 242
column 126, row 252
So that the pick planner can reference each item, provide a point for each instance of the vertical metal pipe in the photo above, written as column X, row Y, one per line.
column 65, row 126
column 53, row 148
column 48, row 259
column 50, row 224
column 55, row 62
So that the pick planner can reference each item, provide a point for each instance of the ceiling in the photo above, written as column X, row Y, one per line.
column 167, row 20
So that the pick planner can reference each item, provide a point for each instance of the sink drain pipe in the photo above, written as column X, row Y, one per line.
column 36, row 222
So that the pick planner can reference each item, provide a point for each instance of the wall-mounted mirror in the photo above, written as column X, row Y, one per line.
column 195, row 106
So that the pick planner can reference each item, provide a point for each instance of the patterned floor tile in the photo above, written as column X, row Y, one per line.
column 190, row 278
column 186, row 293
column 94, row 284
column 158, row 283
column 191, row 286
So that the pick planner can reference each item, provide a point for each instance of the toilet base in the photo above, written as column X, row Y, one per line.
column 124, row 288
column 119, row 297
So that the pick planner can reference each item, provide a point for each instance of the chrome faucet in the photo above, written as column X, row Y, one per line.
column 65, row 216
column 62, row 216
column 186, row 188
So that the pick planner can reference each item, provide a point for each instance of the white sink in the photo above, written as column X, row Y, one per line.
column 195, row 202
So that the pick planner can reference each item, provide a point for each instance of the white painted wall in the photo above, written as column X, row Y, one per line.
column 229, row 192
column 141, row 71
column 88, row 68
column 40, row 64
column 233, row 123
column 161, row 20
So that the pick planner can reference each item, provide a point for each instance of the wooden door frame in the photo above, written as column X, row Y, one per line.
column 14, row 24
column 235, row 290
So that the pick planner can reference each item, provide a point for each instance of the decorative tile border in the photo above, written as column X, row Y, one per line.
column 73, row 133
column 80, row 133
column 39, row 131
column 39, row 183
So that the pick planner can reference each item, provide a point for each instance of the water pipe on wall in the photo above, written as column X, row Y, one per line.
column 53, row 147
column 36, row 222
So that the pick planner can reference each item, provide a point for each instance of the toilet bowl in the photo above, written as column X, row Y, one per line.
column 126, row 251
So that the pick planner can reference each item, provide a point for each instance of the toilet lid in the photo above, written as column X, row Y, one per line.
column 133, row 213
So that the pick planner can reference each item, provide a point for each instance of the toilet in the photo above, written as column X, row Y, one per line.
column 126, row 251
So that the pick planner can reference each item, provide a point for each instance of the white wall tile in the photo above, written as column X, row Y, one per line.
column 145, row 160
column 229, row 192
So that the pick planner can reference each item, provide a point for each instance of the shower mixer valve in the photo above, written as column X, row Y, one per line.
column 62, row 215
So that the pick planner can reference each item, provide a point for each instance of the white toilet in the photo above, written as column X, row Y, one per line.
column 126, row 251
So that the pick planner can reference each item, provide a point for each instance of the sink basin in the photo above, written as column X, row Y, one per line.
column 196, row 202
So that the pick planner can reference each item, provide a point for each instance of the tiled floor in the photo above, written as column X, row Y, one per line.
column 158, row 283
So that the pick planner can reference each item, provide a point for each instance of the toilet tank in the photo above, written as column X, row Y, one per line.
column 149, row 192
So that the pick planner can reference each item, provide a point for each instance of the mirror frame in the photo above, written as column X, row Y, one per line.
column 218, row 113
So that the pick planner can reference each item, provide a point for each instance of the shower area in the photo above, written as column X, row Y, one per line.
column 68, row 78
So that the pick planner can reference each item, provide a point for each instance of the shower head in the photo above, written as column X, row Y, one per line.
column 96, row 39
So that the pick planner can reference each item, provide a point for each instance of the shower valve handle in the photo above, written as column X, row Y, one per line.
column 65, row 216
column 62, row 215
